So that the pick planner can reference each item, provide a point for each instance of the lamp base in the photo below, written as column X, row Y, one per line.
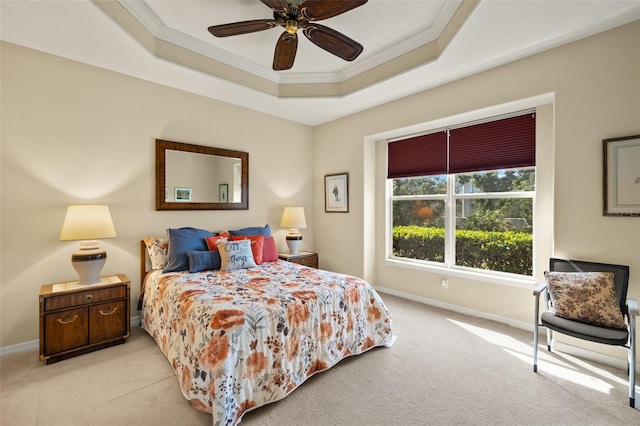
column 294, row 242
column 88, row 264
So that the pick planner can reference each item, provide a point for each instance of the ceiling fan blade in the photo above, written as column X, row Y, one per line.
column 333, row 42
column 280, row 6
column 315, row 10
column 244, row 27
column 285, row 51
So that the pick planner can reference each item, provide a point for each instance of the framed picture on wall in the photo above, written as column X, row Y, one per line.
column 336, row 193
column 182, row 194
column 223, row 193
column 621, row 180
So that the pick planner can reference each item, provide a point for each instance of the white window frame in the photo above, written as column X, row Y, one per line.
column 543, row 247
column 450, row 199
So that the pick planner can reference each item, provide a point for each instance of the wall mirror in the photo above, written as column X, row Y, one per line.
column 195, row 177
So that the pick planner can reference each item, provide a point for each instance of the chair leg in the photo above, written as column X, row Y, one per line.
column 535, row 345
column 632, row 384
column 632, row 361
column 549, row 339
column 536, row 329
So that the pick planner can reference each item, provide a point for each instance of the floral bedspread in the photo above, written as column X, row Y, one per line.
column 240, row 339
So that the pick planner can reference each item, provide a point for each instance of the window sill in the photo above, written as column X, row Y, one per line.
column 493, row 278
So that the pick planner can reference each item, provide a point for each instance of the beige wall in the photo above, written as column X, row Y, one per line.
column 73, row 133
column 590, row 91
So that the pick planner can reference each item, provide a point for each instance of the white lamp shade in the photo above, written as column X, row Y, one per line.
column 293, row 217
column 87, row 222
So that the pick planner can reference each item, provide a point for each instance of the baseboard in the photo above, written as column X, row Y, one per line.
column 456, row 308
column 560, row 346
column 32, row 345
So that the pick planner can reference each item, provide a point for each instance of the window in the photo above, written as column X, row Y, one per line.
column 463, row 197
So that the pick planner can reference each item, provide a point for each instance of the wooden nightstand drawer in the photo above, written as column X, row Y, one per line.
column 305, row 258
column 310, row 261
column 107, row 321
column 84, row 298
column 66, row 330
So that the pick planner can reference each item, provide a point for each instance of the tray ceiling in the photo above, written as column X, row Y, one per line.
column 397, row 36
column 410, row 46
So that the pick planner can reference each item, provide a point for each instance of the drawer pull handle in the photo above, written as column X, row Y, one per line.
column 88, row 297
column 108, row 313
column 61, row 321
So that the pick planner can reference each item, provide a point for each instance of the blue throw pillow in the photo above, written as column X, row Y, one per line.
column 252, row 230
column 203, row 261
column 181, row 241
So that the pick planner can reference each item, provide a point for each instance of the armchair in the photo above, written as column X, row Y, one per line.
column 624, row 336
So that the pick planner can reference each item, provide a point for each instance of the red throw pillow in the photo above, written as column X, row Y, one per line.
column 257, row 243
column 211, row 241
column 269, row 250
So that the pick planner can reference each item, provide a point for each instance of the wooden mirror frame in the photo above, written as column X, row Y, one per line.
column 161, row 204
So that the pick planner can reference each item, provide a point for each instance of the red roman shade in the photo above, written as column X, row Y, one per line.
column 503, row 144
column 500, row 144
column 418, row 156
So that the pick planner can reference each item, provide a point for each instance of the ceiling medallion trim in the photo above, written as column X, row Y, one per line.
column 142, row 23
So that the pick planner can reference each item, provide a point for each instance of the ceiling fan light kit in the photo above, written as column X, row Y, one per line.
column 294, row 15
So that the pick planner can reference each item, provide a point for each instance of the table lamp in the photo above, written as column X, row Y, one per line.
column 88, row 223
column 293, row 218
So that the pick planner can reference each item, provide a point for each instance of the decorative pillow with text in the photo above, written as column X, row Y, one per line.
column 235, row 255
column 257, row 243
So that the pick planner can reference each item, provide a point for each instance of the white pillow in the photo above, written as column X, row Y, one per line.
column 157, row 248
column 235, row 254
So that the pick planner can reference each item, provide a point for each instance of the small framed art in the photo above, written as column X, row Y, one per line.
column 223, row 193
column 182, row 194
column 336, row 193
column 621, row 177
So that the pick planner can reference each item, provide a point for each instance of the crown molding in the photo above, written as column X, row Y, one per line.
column 140, row 21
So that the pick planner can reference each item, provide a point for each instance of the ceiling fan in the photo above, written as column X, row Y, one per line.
column 296, row 15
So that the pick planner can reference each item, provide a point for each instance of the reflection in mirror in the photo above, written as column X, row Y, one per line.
column 194, row 177
column 205, row 177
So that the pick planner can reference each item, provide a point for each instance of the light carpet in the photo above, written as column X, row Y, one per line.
column 444, row 369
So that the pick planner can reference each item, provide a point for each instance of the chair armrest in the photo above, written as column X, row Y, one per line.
column 632, row 307
column 536, row 292
column 539, row 289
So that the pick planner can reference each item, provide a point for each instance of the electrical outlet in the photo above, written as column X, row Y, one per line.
column 445, row 284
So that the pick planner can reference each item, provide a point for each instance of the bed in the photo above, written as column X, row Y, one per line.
column 239, row 339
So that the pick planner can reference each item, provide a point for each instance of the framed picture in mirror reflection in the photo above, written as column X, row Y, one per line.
column 182, row 194
column 223, row 193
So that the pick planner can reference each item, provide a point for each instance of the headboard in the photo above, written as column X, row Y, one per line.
column 144, row 262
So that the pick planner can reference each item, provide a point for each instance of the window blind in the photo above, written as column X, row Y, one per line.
column 418, row 156
column 500, row 144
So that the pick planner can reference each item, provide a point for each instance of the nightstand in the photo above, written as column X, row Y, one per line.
column 306, row 258
column 78, row 318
